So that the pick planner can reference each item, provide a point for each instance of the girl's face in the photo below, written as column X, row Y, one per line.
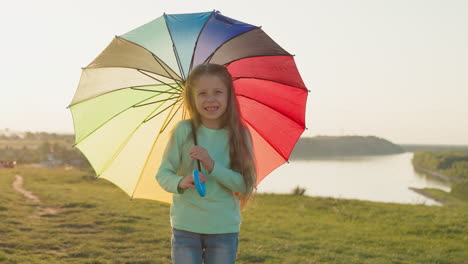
column 211, row 98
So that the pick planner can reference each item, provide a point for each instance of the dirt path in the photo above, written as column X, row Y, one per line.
column 41, row 208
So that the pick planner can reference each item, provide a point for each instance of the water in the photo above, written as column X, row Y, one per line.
column 374, row 178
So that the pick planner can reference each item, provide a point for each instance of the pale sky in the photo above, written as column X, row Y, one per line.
column 396, row 69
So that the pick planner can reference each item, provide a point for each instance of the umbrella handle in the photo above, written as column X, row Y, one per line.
column 201, row 187
column 194, row 134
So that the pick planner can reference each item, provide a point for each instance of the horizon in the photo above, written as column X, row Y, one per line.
column 2, row 130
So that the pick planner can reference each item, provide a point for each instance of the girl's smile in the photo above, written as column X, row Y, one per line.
column 211, row 96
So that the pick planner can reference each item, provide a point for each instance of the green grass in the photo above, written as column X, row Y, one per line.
column 97, row 223
column 458, row 196
column 460, row 190
column 441, row 196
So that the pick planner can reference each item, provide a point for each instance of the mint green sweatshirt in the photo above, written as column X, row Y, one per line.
column 216, row 213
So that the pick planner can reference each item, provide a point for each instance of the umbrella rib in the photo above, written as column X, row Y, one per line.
column 146, row 120
column 168, row 122
column 258, row 56
column 132, row 68
column 156, row 91
column 211, row 55
column 154, row 56
column 165, row 124
column 198, row 38
column 178, row 61
column 164, row 100
column 158, row 61
column 152, row 77
column 276, row 110
column 107, row 164
column 269, row 143
column 175, row 50
column 87, row 135
column 263, row 79
column 128, row 87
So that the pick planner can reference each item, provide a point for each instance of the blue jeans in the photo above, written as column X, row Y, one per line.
column 193, row 248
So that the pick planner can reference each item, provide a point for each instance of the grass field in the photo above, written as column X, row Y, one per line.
column 94, row 222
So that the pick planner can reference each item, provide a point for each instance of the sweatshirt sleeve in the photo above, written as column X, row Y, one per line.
column 229, row 178
column 167, row 174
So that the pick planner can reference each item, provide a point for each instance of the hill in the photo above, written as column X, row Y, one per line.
column 336, row 146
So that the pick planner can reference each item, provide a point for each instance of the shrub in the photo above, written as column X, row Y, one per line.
column 299, row 191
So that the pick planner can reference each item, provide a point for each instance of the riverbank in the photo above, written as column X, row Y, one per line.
column 445, row 198
column 96, row 223
column 435, row 174
column 457, row 195
column 449, row 166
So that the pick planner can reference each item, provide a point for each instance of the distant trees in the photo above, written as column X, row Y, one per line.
column 11, row 137
column 37, row 136
column 450, row 163
column 50, row 147
column 331, row 146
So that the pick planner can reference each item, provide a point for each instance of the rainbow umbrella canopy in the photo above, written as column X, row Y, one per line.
column 129, row 98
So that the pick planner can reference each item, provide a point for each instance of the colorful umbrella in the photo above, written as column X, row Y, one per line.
column 129, row 98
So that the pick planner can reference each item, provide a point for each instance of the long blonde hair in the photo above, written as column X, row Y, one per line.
column 240, row 153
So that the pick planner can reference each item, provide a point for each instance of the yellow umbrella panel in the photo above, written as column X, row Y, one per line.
column 124, row 111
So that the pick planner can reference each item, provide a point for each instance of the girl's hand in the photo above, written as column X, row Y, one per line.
column 201, row 154
column 188, row 181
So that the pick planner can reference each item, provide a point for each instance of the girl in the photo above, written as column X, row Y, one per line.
column 206, row 228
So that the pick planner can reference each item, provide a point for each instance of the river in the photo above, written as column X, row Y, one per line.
column 383, row 178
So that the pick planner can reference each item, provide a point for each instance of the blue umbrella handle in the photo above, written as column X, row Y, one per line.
column 201, row 188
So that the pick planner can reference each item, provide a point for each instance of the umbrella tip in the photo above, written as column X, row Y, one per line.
column 131, row 199
column 287, row 161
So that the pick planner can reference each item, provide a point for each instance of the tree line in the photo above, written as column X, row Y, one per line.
column 453, row 164
column 334, row 146
column 49, row 147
